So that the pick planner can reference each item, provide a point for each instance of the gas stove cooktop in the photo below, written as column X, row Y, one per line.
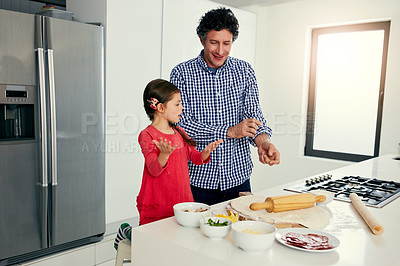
column 373, row 192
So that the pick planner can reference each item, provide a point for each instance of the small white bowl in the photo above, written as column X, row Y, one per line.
column 215, row 232
column 220, row 211
column 190, row 219
column 253, row 235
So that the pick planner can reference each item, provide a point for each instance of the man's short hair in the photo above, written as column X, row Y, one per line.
column 218, row 19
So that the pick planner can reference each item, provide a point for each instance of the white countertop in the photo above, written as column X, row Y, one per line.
column 165, row 242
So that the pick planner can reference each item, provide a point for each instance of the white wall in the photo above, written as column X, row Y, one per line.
column 133, row 59
column 180, row 41
column 283, row 42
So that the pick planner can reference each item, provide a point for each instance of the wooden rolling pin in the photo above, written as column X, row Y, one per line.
column 367, row 216
column 288, row 203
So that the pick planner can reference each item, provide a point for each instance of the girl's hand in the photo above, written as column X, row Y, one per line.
column 166, row 150
column 210, row 147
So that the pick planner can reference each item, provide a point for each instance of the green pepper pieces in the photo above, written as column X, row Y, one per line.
column 217, row 223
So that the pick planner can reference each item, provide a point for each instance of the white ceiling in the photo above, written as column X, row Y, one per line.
column 241, row 3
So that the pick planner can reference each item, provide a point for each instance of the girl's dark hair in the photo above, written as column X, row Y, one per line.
column 162, row 90
column 218, row 19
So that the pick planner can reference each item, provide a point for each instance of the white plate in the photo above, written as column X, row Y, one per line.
column 333, row 241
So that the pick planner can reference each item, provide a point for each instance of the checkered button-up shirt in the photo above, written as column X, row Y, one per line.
column 212, row 103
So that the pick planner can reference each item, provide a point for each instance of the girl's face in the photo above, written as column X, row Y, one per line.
column 173, row 108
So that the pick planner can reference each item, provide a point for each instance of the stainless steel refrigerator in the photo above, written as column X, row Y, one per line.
column 52, row 176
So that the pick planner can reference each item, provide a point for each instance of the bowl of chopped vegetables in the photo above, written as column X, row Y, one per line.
column 253, row 235
column 189, row 213
column 215, row 227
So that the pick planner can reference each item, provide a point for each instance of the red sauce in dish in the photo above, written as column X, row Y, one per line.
column 307, row 241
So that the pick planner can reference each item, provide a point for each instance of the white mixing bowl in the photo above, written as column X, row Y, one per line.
column 190, row 218
column 253, row 235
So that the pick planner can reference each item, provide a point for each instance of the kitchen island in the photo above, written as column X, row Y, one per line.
column 165, row 242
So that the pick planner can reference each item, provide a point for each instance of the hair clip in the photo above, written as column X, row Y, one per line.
column 153, row 103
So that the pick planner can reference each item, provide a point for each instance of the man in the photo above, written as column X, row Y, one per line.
column 220, row 99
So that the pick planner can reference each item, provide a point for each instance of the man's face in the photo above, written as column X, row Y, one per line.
column 217, row 47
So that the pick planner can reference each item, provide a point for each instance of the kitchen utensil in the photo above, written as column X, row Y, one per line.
column 282, row 225
column 369, row 219
column 315, row 217
column 329, row 196
column 288, row 202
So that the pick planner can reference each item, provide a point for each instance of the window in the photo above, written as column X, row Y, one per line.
column 346, row 86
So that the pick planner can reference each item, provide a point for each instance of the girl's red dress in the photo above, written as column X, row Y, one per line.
column 163, row 187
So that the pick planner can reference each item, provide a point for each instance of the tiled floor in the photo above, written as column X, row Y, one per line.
column 97, row 254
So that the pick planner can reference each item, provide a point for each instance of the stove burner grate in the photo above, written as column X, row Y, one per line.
column 373, row 192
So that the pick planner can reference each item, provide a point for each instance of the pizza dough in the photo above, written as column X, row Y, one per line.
column 315, row 217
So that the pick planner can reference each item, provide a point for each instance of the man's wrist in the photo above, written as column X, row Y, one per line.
column 229, row 133
column 260, row 139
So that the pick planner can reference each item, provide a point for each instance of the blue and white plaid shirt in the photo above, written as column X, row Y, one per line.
column 212, row 103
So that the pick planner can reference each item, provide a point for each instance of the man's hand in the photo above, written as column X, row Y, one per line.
column 246, row 128
column 267, row 153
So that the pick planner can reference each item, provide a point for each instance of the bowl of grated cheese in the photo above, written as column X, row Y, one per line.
column 253, row 235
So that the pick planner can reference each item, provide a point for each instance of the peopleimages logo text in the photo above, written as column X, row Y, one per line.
column 115, row 124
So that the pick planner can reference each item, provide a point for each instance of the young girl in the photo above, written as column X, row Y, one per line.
column 166, row 149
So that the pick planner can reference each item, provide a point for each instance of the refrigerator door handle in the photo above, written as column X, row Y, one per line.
column 42, row 99
column 43, row 194
column 53, row 117
column 42, row 92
